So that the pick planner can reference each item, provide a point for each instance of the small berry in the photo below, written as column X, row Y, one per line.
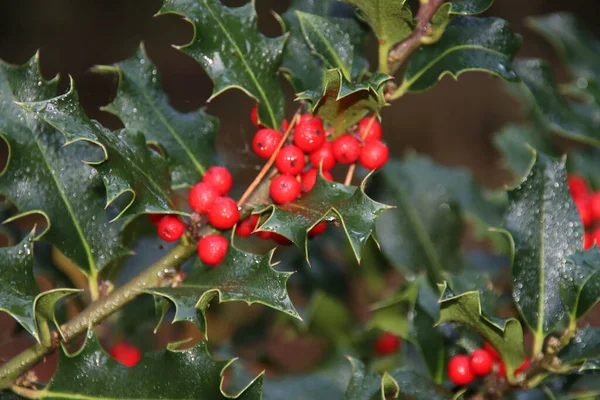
column 284, row 189
column 170, row 228
column 459, row 370
column 212, row 249
column 290, row 160
column 374, row 154
column 369, row 129
column 280, row 239
column 247, row 226
column 501, row 369
column 317, row 229
column 219, row 178
column 309, row 134
column 265, row 142
column 265, row 235
column 285, row 125
column 481, row 362
column 387, row 343
column 346, row 149
column 590, row 238
column 202, row 196
column 309, row 178
column 585, row 213
column 126, row 353
column 224, row 213
column 491, row 351
column 155, row 218
column 594, row 205
column 323, row 156
column 254, row 115
column 523, row 366
column 578, row 187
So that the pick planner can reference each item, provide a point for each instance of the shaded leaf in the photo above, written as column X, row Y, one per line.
column 416, row 386
column 187, row 138
column 363, row 384
column 470, row 7
column 583, row 351
column 580, row 287
column 228, row 44
column 586, row 163
column 329, row 318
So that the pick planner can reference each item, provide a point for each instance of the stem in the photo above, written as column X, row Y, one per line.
column 25, row 392
column 44, row 330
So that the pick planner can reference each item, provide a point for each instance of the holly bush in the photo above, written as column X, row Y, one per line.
column 375, row 278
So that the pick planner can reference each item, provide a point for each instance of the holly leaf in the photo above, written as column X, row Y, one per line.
column 188, row 139
column 363, row 384
column 44, row 175
column 505, row 335
column 240, row 276
column 468, row 44
column 583, row 351
column 580, row 286
column 191, row 374
column 356, row 212
column 545, row 229
column 232, row 51
column 413, row 385
column 470, row 7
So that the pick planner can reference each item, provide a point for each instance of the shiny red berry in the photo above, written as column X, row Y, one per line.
column 155, row 218
column 585, row 213
column 346, row 149
column 369, row 129
column 219, row 178
column 290, row 160
column 284, row 189
column 247, row 226
column 594, row 205
column 317, row 229
column 309, row 178
column 459, row 370
column 481, row 362
column 578, row 186
column 491, row 351
column 285, row 125
column 590, row 238
column 126, row 353
column 202, row 196
column 387, row 343
column 224, row 213
column 265, row 142
column 170, row 228
column 280, row 239
column 254, row 115
column 265, row 235
column 323, row 156
column 212, row 249
column 309, row 134
column 373, row 155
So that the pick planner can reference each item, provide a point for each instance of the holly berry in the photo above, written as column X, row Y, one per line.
column 285, row 125
column 309, row 178
column 265, row 142
column 290, row 160
column 224, row 213
column 491, row 351
column 155, row 218
column 254, row 115
column 589, row 239
column 219, row 178
column 387, row 343
column 481, row 362
column 280, row 239
column 459, row 370
column 373, row 155
column 585, row 212
column 170, row 228
column 309, row 134
column 284, row 189
column 578, row 187
column 346, row 149
column 594, row 205
column 317, row 229
column 202, row 196
column 523, row 366
column 265, row 235
column 369, row 129
column 212, row 249
column 247, row 226
column 323, row 157
column 126, row 353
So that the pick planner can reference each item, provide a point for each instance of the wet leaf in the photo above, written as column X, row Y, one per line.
column 583, row 351
column 580, row 288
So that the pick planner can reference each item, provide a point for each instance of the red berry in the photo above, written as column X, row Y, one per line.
column 585, row 213
column 578, row 186
column 254, row 115
column 323, row 155
column 285, row 125
column 202, row 196
column 374, row 154
column 126, row 353
column 369, row 129
column 317, row 229
column 284, row 189
column 491, row 351
column 387, row 343
column 280, row 239
column 306, row 117
column 247, row 226
column 309, row 178
column 155, row 218
column 481, row 362
column 523, row 366
column 309, row 134
column 265, row 142
column 459, row 370
column 219, row 178
column 594, row 205
column 212, row 249
column 290, row 160
column 501, row 369
column 170, row 228
column 265, row 235
column 589, row 239
column 346, row 149
column 224, row 213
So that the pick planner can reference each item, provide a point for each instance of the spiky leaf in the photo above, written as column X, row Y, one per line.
column 580, row 288
column 364, row 384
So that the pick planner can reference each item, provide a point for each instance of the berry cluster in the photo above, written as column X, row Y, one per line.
column 462, row 369
column 588, row 205
column 126, row 353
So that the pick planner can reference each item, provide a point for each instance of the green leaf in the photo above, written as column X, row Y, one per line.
column 349, row 205
column 583, row 351
column 468, row 44
column 130, row 168
column 505, row 335
column 363, row 383
column 187, row 138
column 470, row 7
column 240, row 276
column 546, row 229
column 234, row 53
column 44, row 175
column 580, row 287
column 415, row 386
column 586, row 163
column 330, row 319
column 172, row 374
